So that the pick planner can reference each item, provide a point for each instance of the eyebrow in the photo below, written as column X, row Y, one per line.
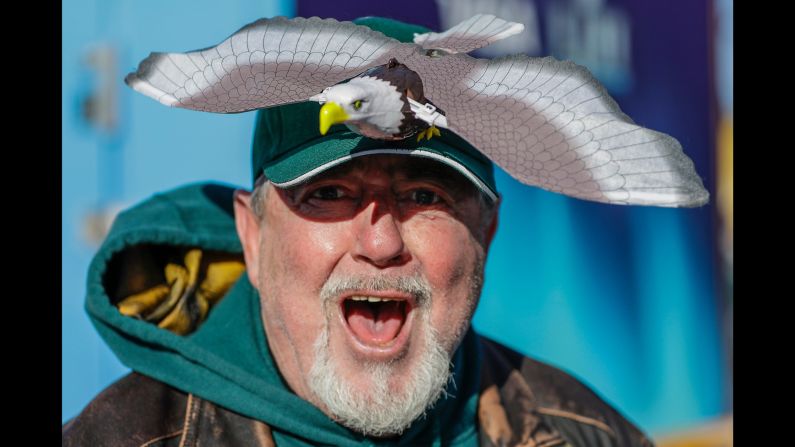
column 436, row 172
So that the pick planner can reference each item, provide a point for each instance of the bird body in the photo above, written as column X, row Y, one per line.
column 548, row 123
column 376, row 103
column 385, row 107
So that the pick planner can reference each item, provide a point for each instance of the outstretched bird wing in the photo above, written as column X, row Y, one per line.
column 476, row 32
column 266, row 63
column 547, row 123
column 551, row 124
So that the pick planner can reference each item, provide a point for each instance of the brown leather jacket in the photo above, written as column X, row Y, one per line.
column 523, row 402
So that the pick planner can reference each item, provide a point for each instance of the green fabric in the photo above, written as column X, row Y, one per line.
column 227, row 360
column 287, row 141
column 298, row 148
column 395, row 29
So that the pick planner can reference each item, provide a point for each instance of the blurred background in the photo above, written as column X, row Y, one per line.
column 634, row 301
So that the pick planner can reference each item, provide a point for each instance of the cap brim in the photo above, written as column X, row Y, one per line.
column 312, row 158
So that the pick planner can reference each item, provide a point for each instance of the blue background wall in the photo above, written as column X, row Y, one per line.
column 627, row 299
column 154, row 148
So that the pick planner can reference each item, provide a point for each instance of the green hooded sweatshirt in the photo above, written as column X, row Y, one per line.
column 226, row 359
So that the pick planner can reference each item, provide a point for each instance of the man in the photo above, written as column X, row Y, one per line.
column 351, row 323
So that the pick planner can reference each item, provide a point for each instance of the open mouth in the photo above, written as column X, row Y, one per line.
column 375, row 321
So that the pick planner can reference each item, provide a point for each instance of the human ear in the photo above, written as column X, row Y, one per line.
column 247, row 225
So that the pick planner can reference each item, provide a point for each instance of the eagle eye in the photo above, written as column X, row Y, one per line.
column 357, row 104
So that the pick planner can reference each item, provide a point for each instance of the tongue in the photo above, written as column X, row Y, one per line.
column 375, row 323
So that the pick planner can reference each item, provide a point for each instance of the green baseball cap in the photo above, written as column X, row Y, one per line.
column 289, row 149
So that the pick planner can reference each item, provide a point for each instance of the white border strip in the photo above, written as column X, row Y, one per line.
column 414, row 152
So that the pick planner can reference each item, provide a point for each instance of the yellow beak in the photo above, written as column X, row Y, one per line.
column 331, row 113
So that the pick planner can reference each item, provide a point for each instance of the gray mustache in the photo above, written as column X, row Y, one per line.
column 415, row 285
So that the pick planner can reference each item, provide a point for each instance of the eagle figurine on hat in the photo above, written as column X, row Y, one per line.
column 548, row 123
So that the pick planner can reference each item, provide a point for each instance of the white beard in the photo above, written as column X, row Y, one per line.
column 382, row 411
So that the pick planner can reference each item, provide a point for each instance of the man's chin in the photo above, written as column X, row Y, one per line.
column 379, row 393
column 370, row 371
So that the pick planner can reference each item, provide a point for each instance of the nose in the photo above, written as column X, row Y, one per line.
column 379, row 240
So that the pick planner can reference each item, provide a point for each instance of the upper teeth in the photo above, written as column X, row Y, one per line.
column 372, row 299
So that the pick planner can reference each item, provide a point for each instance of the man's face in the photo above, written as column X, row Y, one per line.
column 368, row 277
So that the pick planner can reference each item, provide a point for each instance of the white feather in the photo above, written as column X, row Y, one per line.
column 381, row 103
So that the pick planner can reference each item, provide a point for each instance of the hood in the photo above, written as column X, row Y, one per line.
column 204, row 335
